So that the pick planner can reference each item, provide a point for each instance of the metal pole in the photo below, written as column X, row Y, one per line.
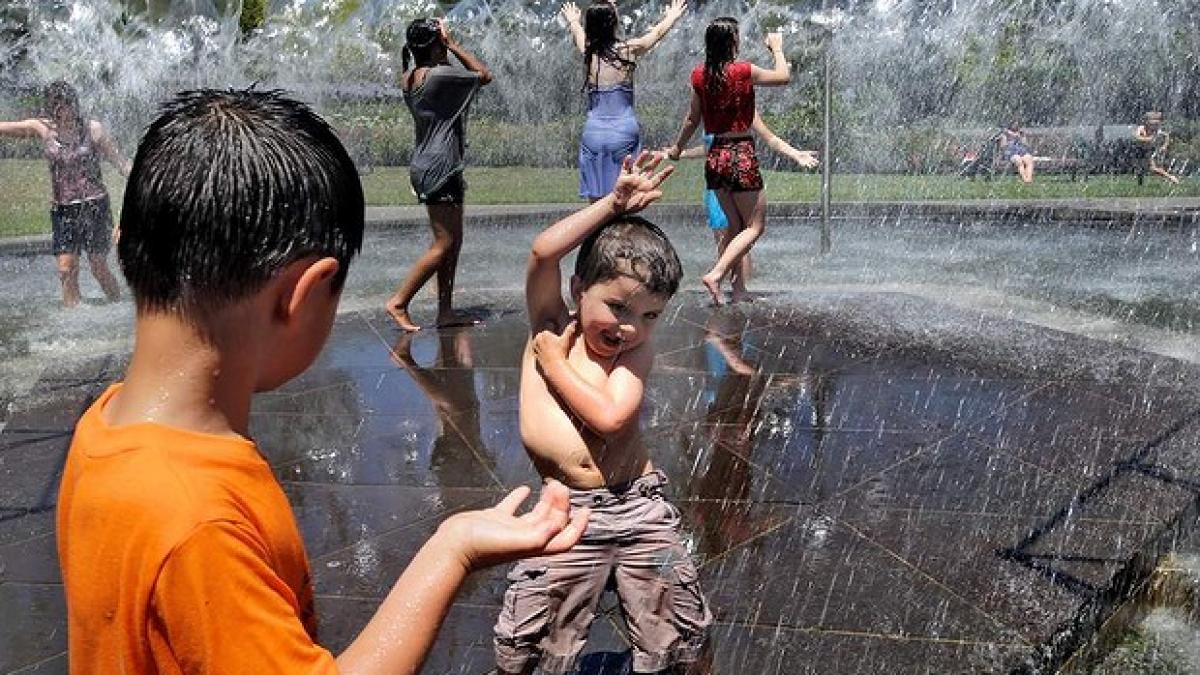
column 826, row 152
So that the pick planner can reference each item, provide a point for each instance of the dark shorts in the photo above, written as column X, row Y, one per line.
column 84, row 226
column 631, row 544
column 732, row 164
column 453, row 191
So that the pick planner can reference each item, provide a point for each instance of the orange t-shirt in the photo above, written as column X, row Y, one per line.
column 180, row 554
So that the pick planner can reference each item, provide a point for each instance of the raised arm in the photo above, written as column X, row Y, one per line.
column 690, row 123
column 778, row 75
column 645, row 43
column 804, row 158
column 469, row 60
column 29, row 127
column 636, row 188
column 570, row 13
column 108, row 148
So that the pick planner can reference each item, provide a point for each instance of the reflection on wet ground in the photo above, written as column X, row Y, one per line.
column 858, row 501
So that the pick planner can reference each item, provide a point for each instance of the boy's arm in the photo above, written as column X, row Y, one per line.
column 645, row 43
column 605, row 410
column 398, row 637
column 636, row 188
column 804, row 158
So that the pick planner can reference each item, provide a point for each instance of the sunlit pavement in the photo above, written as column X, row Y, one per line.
column 860, row 498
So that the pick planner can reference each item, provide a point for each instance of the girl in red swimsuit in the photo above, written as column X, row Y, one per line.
column 723, row 99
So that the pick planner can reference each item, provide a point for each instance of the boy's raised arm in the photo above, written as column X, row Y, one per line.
column 636, row 188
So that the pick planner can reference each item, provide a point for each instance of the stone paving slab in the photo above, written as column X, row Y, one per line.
column 870, row 482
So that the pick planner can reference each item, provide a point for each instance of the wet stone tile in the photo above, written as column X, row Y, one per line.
column 378, row 450
column 332, row 517
column 1068, row 430
column 41, row 631
column 31, row 472
column 31, row 561
column 368, row 566
column 54, row 665
column 815, row 573
column 962, row 553
column 50, row 411
column 963, row 476
column 779, row 649
column 20, row 524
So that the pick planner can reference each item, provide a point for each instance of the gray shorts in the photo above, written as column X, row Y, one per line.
column 631, row 544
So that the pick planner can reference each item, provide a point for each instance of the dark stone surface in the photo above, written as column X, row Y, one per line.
column 870, row 482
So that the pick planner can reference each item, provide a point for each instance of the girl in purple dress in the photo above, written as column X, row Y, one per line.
column 612, row 131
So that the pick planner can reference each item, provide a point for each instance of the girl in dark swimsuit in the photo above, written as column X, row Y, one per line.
column 79, row 206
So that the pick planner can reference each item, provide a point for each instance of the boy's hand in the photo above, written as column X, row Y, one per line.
column 775, row 41
column 637, row 186
column 496, row 535
column 550, row 347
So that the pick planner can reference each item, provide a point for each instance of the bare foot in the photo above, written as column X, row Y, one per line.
column 713, row 286
column 402, row 319
column 452, row 319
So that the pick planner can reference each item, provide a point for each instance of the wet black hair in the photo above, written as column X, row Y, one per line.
column 59, row 92
column 720, row 48
column 228, row 187
column 600, row 38
column 630, row 246
column 421, row 36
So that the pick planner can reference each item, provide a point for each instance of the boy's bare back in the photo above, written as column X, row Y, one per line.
column 581, row 380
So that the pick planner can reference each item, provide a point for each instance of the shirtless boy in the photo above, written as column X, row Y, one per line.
column 582, row 379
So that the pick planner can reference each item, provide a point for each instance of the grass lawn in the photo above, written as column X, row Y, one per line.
column 25, row 191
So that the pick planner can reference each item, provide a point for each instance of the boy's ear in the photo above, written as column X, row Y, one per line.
column 304, row 280
column 576, row 288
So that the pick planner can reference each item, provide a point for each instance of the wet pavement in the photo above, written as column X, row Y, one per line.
column 870, row 482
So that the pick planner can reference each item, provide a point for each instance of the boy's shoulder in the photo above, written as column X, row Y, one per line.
column 183, row 478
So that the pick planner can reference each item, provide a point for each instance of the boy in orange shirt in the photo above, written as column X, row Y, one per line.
column 178, row 547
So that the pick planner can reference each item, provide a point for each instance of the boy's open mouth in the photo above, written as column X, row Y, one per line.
column 613, row 341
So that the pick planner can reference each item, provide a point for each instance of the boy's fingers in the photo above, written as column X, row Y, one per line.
column 513, row 500
column 627, row 164
column 661, row 176
column 569, row 535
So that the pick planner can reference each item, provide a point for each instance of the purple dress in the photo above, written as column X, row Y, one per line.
column 610, row 133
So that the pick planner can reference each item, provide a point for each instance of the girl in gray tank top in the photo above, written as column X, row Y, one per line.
column 438, row 95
